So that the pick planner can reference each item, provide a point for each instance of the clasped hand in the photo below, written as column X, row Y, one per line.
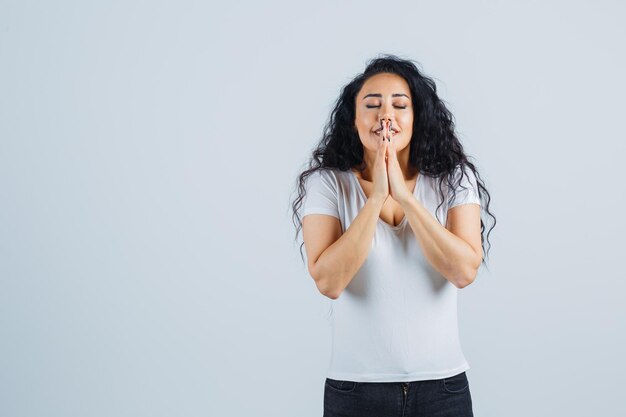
column 396, row 185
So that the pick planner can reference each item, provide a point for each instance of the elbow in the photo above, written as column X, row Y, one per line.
column 323, row 285
column 469, row 272
column 327, row 290
column 331, row 295
column 466, row 279
column 462, row 284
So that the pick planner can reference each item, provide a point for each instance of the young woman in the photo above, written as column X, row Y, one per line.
column 390, row 211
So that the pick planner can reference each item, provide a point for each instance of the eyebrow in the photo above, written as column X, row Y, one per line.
column 380, row 95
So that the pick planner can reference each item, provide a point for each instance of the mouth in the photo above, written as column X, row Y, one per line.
column 385, row 123
column 378, row 131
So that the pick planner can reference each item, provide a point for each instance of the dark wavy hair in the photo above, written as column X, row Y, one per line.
column 435, row 149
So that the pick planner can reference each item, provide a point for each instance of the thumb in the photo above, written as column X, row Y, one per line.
column 382, row 150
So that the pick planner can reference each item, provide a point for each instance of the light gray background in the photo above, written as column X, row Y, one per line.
column 148, row 152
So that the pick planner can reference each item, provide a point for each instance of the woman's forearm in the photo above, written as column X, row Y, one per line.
column 450, row 255
column 339, row 263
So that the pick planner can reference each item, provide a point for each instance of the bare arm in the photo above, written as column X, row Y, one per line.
column 455, row 253
column 337, row 264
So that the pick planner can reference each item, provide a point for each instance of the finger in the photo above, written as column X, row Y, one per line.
column 383, row 134
column 384, row 149
column 392, row 151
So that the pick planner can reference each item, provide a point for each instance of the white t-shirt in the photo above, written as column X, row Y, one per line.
column 396, row 321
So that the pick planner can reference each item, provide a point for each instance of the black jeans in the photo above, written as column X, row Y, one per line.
column 446, row 397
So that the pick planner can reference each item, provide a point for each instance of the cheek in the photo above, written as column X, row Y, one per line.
column 407, row 119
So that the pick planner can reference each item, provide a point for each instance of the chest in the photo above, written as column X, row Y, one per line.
column 392, row 212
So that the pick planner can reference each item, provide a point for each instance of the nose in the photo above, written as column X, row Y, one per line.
column 386, row 110
column 384, row 119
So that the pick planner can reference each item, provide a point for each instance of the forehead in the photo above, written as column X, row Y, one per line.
column 385, row 84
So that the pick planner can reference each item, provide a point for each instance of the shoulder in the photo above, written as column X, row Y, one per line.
column 462, row 170
column 329, row 176
column 462, row 176
column 462, row 187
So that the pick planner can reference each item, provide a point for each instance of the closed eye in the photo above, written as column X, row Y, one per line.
column 400, row 107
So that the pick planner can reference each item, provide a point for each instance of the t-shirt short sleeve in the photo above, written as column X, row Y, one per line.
column 466, row 191
column 321, row 194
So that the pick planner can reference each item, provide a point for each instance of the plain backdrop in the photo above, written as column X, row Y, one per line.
column 148, row 157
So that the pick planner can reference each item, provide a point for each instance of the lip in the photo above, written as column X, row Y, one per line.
column 377, row 131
